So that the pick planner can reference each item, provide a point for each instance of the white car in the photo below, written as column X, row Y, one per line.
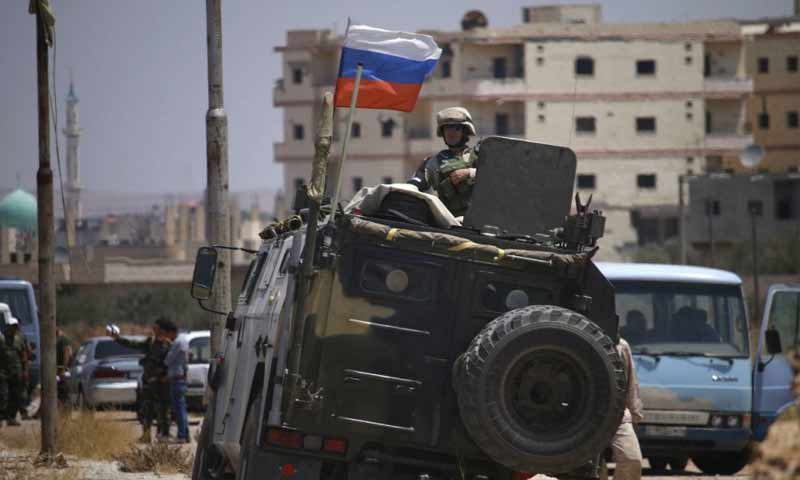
column 199, row 356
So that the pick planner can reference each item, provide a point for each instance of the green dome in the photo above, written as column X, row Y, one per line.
column 18, row 210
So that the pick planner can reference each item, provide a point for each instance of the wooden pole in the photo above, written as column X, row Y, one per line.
column 47, row 291
column 219, row 225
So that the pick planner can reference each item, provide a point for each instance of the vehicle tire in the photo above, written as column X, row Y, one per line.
column 209, row 462
column 722, row 463
column 678, row 464
column 541, row 388
column 657, row 464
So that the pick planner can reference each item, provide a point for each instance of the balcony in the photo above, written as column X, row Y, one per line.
column 491, row 87
column 727, row 141
column 727, row 86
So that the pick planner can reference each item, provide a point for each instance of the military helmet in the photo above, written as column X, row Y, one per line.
column 454, row 116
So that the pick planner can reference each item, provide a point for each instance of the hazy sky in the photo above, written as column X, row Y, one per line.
column 140, row 72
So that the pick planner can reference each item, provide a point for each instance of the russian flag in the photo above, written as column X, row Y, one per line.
column 394, row 66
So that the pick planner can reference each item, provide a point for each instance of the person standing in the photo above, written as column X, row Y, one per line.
column 177, row 362
column 451, row 172
column 155, row 389
column 625, row 446
column 4, row 363
column 17, row 362
column 63, row 358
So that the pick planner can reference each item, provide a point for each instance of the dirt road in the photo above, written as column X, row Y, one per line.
column 12, row 459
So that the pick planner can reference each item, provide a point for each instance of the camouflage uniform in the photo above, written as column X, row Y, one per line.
column 434, row 174
column 4, row 352
column 17, row 356
column 155, row 388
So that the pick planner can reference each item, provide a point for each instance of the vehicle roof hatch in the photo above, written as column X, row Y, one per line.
column 521, row 187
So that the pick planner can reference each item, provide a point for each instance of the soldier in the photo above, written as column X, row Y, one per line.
column 451, row 172
column 17, row 360
column 5, row 313
column 155, row 389
column 625, row 446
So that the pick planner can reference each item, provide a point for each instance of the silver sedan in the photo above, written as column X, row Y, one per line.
column 103, row 372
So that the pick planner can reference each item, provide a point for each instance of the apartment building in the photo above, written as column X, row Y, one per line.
column 773, row 62
column 641, row 104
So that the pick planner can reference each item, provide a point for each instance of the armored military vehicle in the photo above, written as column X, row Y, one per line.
column 388, row 340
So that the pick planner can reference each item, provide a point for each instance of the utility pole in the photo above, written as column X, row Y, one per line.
column 219, row 225
column 44, row 199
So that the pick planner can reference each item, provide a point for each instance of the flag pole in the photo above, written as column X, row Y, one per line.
column 343, row 156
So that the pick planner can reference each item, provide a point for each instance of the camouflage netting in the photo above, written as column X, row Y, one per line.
column 778, row 457
column 568, row 265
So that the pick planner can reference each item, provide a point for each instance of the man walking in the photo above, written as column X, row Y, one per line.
column 155, row 389
column 177, row 367
column 63, row 358
column 625, row 446
column 5, row 316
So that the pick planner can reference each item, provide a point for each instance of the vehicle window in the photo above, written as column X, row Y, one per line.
column 253, row 280
column 243, row 290
column 17, row 301
column 659, row 317
column 285, row 262
column 200, row 350
column 784, row 316
column 502, row 297
column 110, row 348
column 403, row 280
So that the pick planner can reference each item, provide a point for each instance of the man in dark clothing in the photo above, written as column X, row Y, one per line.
column 63, row 358
column 155, row 388
column 17, row 363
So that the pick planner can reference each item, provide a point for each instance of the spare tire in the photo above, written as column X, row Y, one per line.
column 541, row 389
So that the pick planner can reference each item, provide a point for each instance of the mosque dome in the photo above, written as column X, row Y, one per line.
column 18, row 210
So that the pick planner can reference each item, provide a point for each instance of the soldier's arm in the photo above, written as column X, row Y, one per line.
column 421, row 177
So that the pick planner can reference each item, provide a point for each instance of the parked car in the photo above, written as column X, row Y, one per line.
column 103, row 372
column 199, row 357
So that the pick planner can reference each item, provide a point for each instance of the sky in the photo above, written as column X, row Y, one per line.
column 139, row 69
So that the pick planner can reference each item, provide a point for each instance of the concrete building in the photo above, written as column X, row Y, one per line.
column 773, row 62
column 633, row 100
column 721, row 207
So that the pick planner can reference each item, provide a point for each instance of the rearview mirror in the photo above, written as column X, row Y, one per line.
column 205, row 268
column 773, row 339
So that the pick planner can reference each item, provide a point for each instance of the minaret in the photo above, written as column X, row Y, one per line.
column 73, row 186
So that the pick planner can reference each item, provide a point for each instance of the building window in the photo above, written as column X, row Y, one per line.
column 499, row 67
column 587, row 181
column 501, row 124
column 387, row 180
column 791, row 64
column 689, row 104
column 540, row 104
column 540, row 61
column 687, row 46
column 689, row 159
column 584, row 66
column 645, row 124
column 763, row 121
column 358, row 183
column 298, row 131
column 540, row 118
column 297, row 75
column 688, row 61
column 446, row 69
column 763, row 65
column 387, row 127
column 584, row 125
column 791, row 119
column 709, row 121
column 689, row 116
column 712, row 207
column 355, row 130
column 646, row 180
column 645, row 67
